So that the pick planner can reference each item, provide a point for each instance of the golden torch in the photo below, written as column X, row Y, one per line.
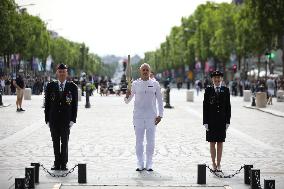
column 128, row 73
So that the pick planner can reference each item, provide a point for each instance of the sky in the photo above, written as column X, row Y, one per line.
column 118, row 27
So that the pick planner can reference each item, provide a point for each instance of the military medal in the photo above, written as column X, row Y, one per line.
column 52, row 96
column 212, row 100
column 69, row 98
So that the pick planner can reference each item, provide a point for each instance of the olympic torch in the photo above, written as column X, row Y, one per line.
column 128, row 73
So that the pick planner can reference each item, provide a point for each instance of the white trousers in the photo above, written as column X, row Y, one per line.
column 141, row 126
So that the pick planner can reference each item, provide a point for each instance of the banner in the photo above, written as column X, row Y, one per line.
column 15, row 59
column 1, row 63
column 48, row 63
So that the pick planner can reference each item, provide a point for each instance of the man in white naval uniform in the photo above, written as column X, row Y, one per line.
column 147, row 94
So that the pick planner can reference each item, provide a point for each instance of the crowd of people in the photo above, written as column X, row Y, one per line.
column 100, row 84
column 35, row 83
column 237, row 86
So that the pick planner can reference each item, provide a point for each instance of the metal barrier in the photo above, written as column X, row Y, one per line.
column 82, row 173
column 30, row 177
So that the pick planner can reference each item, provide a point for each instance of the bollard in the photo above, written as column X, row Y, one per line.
column 30, row 177
column 247, row 95
column 82, row 173
column 27, row 93
column 269, row 184
column 1, row 91
column 79, row 94
column 88, row 105
column 1, row 102
column 36, row 165
column 201, row 174
column 168, row 105
column 19, row 183
column 253, row 101
column 255, row 179
column 280, row 95
column 261, row 99
column 247, row 169
column 190, row 95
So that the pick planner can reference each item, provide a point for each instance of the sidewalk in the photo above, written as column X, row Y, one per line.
column 277, row 108
column 103, row 137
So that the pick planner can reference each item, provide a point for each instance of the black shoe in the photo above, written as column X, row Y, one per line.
column 18, row 110
column 64, row 168
column 139, row 169
column 54, row 167
column 150, row 170
column 21, row 109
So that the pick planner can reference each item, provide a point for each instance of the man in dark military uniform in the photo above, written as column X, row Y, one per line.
column 61, row 104
column 216, row 116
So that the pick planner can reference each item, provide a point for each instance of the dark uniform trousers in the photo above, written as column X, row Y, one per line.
column 59, row 135
column 60, row 109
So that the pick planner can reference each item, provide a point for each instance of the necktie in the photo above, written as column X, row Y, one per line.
column 217, row 90
column 61, row 87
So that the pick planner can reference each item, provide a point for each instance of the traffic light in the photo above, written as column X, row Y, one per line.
column 270, row 55
column 235, row 68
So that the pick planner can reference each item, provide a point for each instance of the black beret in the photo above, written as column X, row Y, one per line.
column 216, row 73
column 62, row 67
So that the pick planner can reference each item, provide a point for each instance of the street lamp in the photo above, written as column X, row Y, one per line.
column 26, row 5
column 22, row 10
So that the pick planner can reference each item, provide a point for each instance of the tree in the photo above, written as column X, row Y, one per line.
column 223, row 41
column 269, row 16
column 7, row 19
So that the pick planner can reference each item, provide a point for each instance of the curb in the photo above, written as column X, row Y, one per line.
column 58, row 186
column 273, row 112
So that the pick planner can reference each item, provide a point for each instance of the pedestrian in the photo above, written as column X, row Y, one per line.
column 61, row 104
column 2, row 83
column 235, row 88
column 197, row 87
column 216, row 116
column 270, row 83
column 12, row 87
column 7, row 86
column 147, row 93
column 19, row 84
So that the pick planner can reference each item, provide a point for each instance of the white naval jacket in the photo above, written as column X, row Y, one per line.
column 147, row 97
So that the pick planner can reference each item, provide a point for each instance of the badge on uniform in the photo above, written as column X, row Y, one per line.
column 52, row 96
column 212, row 100
column 69, row 98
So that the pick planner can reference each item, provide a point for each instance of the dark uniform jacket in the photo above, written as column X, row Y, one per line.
column 61, row 107
column 216, row 113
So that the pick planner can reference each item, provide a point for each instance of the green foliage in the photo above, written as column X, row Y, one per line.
column 27, row 35
column 8, row 16
column 216, row 30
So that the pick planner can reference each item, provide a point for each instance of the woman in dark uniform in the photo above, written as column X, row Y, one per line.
column 216, row 116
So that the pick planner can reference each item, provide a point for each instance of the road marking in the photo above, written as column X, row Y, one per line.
column 227, row 187
column 57, row 186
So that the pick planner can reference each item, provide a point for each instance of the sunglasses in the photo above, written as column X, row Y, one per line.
column 145, row 70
